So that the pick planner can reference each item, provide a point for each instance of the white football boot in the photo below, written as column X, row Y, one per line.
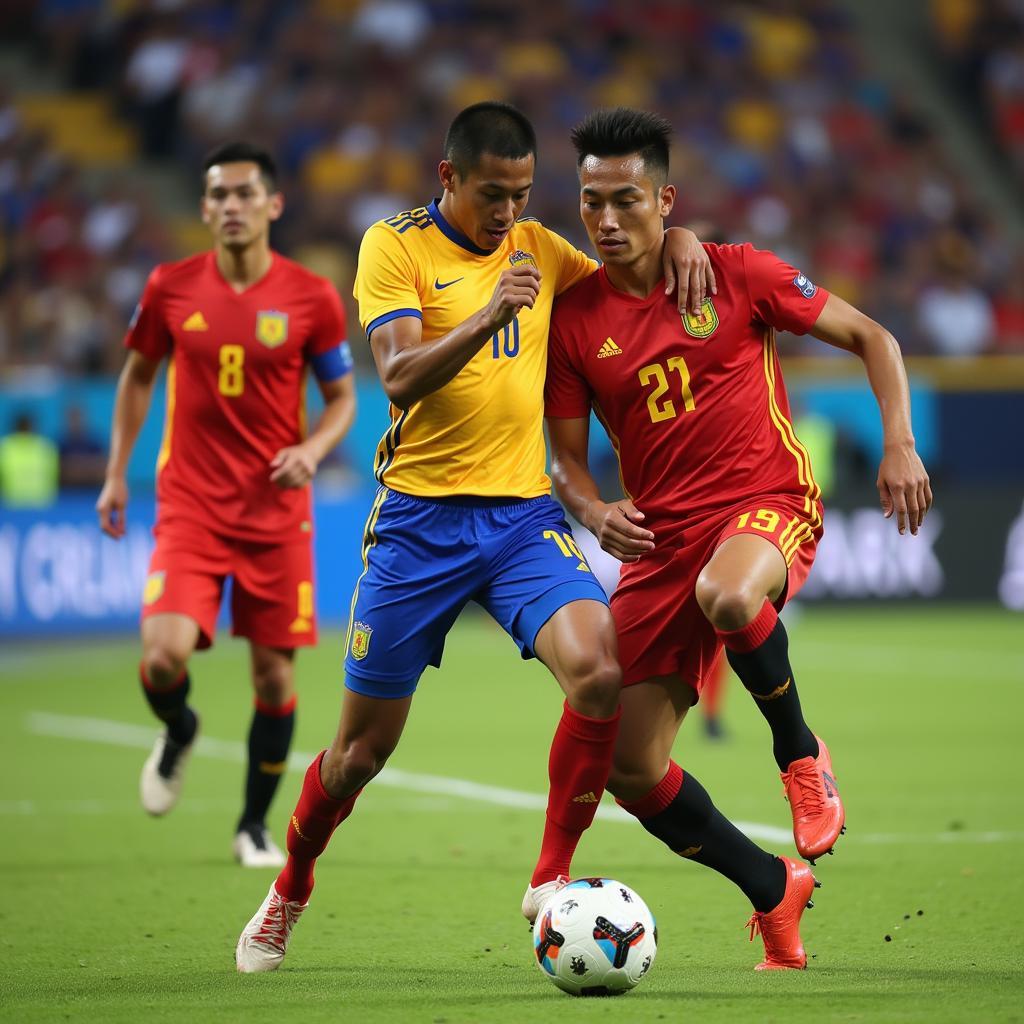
column 163, row 774
column 254, row 848
column 537, row 895
column 264, row 940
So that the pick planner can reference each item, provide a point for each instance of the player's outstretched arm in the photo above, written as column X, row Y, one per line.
column 615, row 524
column 903, row 485
column 296, row 465
column 134, row 393
column 410, row 368
column 688, row 270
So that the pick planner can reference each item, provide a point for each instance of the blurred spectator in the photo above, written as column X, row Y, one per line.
column 29, row 469
column 783, row 138
column 954, row 315
column 83, row 458
column 1009, row 312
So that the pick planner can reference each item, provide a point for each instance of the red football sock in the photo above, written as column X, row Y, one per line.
column 317, row 815
column 578, row 767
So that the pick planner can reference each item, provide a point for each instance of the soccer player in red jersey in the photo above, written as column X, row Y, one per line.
column 722, row 514
column 238, row 325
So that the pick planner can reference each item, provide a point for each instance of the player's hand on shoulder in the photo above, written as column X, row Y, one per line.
column 110, row 506
column 616, row 526
column 688, row 270
column 293, row 467
column 517, row 287
column 903, row 487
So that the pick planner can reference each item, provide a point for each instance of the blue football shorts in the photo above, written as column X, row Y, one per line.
column 425, row 559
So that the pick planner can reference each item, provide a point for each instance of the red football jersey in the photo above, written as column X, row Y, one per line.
column 235, row 389
column 694, row 406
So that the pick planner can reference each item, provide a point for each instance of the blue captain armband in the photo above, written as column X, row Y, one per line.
column 334, row 363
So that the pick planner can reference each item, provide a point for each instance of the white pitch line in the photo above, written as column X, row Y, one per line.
column 124, row 734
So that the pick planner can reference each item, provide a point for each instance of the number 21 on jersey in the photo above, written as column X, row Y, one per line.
column 659, row 407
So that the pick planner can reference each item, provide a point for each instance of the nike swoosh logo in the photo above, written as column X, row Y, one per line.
column 447, row 284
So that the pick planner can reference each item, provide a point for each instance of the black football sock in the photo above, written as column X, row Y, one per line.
column 171, row 708
column 270, row 737
column 694, row 828
column 759, row 655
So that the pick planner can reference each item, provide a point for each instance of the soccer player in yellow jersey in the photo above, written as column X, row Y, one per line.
column 456, row 300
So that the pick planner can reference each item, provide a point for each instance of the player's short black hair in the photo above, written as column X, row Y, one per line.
column 489, row 127
column 243, row 152
column 621, row 131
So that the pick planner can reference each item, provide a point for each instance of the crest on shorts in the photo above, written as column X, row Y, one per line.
column 519, row 257
column 271, row 327
column 702, row 324
column 154, row 588
column 361, row 633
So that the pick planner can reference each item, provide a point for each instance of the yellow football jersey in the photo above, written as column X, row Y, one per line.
column 481, row 434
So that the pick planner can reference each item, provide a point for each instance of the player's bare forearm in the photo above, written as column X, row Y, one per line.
column 410, row 369
column 134, row 394
column 575, row 487
column 131, row 405
column 904, row 489
column 296, row 465
column 337, row 418
column 615, row 524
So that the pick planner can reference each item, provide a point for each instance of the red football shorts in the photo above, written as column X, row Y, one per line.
column 271, row 593
column 660, row 625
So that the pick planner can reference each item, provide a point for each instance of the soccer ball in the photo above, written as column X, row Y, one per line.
column 595, row 937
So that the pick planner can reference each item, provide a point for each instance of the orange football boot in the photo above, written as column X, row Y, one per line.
column 780, row 928
column 818, row 814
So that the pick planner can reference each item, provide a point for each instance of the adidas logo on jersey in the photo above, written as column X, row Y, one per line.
column 196, row 322
column 609, row 348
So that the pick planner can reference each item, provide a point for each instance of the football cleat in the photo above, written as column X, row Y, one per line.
column 537, row 895
column 163, row 774
column 818, row 813
column 780, row 928
column 254, row 848
column 264, row 940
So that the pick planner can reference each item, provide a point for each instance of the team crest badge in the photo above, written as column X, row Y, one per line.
column 271, row 327
column 154, row 588
column 361, row 633
column 704, row 323
column 519, row 257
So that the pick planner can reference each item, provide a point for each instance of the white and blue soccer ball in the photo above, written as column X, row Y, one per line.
column 595, row 937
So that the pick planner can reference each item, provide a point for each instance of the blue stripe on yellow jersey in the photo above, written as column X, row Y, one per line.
column 482, row 432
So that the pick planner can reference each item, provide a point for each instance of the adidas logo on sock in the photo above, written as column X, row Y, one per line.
column 609, row 348
column 585, row 798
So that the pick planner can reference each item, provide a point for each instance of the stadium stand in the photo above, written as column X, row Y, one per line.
column 784, row 138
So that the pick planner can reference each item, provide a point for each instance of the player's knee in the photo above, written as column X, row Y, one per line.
column 630, row 781
column 594, row 685
column 273, row 684
column 727, row 606
column 163, row 666
column 352, row 765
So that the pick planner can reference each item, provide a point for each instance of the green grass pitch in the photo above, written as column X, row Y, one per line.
column 111, row 916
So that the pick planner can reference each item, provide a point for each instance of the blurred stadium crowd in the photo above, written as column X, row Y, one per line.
column 784, row 139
